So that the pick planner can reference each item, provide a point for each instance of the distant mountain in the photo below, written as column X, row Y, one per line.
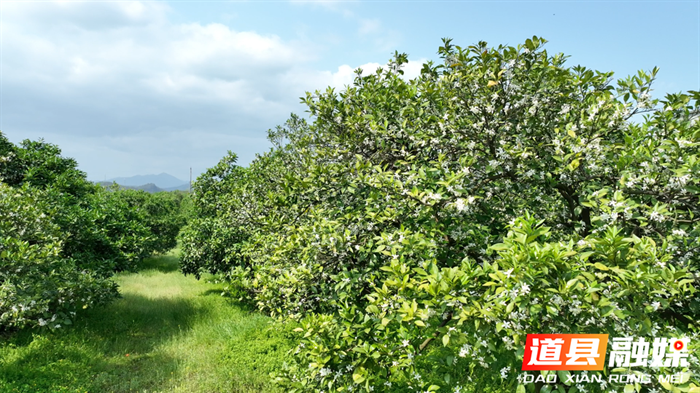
column 161, row 181
column 183, row 187
column 150, row 187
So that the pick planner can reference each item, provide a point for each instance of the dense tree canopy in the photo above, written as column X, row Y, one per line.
column 38, row 285
column 62, row 237
column 419, row 229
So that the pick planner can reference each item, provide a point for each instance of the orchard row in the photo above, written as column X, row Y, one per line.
column 417, row 230
column 63, row 237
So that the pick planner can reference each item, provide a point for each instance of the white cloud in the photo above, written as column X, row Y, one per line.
column 156, row 72
column 369, row 26
column 79, row 15
column 120, row 87
column 346, row 74
column 370, row 29
column 383, row 39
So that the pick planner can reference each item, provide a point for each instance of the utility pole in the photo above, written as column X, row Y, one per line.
column 190, row 180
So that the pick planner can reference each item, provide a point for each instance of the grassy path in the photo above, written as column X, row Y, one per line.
column 169, row 333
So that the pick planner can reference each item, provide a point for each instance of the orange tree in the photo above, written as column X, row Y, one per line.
column 62, row 237
column 417, row 230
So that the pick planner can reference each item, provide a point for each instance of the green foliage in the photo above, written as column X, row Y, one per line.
column 40, row 165
column 158, row 213
column 39, row 286
column 419, row 229
column 167, row 214
column 211, row 242
column 63, row 237
column 106, row 234
column 97, row 230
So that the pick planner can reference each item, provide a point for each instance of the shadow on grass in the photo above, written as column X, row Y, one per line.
column 110, row 349
column 237, row 299
column 161, row 263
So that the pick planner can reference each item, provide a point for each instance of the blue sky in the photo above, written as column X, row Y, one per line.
column 132, row 88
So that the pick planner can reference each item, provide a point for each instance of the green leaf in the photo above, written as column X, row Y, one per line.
column 563, row 376
column 571, row 283
column 574, row 164
column 358, row 378
column 666, row 386
column 447, row 376
column 445, row 339
column 600, row 266
column 500, row 247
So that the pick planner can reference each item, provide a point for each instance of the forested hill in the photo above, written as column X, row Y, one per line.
column 162, row 180
column 150, row 187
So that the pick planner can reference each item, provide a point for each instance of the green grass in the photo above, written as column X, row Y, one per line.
column 169, row 333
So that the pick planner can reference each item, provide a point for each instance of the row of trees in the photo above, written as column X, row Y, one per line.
column 418, row 230
column 63, row 237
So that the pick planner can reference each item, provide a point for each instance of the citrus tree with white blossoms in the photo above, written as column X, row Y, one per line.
column 38, row 285
column 418, row 230
column 62, row 237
